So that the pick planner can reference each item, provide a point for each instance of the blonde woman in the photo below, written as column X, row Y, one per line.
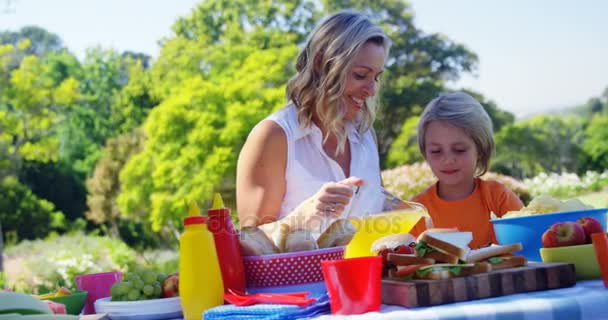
column 303, row 161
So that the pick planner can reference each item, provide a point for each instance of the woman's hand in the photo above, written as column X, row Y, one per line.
column 333, row 197
column 328, row 203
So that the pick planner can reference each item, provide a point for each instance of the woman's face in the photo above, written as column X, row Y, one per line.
column 451, row 153
column 362, row 78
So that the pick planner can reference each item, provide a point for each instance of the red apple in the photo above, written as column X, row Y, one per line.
column 590, row 226
column 563, row 234
column 170, row 286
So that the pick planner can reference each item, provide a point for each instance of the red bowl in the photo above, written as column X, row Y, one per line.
column 288, row 269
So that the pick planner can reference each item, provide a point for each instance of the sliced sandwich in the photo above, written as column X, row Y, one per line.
column 499, row 256
column 444, row 245
column 439, row 271
column 402, row 243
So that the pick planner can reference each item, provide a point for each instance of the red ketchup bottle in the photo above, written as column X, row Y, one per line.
column 227, row 246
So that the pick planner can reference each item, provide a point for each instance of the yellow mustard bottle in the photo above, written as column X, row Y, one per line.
column 200, row 278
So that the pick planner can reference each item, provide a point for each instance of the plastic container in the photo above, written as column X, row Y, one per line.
column 200, row 279
column 74, row 302
column 97, row 285
column 290, row 271
column 529, row 229
column 227, row 246
column 582, row 256
column 353, row 284
column 373, row 227
column 600, row 246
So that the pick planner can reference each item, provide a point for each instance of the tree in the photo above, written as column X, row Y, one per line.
column 543, row 143
column 404, row 149
column 32, row 102
column 195, row 134
column 114, row 99
column 42, row 41
column 104, row 186
column 596, row 142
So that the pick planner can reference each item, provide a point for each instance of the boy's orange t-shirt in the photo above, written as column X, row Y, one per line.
column 473, row 212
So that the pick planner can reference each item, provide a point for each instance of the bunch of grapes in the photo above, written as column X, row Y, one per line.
column 140, row 285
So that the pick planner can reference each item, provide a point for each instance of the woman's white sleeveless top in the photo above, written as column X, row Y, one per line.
column 309, row 167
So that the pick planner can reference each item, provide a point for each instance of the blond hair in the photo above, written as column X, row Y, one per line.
column 318, row 90
column 463, row 111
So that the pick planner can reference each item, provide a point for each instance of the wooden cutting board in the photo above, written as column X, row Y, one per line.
column 533, row 277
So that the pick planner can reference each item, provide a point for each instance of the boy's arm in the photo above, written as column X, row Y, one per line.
column 507, row 201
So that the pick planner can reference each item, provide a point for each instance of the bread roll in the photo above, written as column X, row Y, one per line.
column 339, row 233
column 254, row 242
column 300, row 240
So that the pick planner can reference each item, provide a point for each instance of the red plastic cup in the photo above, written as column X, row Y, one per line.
column 353, row 284
column 98, row 285
column 600, row 243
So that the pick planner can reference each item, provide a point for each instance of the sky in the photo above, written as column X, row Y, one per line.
column 534, row 55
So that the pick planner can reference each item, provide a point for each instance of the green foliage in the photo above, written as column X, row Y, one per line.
column 544, row 143
column 44, row 265
column 41, row 41
column 405, row 148
column 25, row 216
column 212, row 91
column 57, row 183
column 596, row 142
column 114, row 99
column 104, row 187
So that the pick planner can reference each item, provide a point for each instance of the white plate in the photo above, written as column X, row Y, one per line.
column 154, row 309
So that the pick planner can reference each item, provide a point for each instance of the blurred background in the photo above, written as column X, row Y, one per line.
column 115, row 114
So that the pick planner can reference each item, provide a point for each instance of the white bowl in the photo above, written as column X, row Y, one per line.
column 153, row 309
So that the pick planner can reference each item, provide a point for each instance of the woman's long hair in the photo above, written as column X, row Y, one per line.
column 318, row 85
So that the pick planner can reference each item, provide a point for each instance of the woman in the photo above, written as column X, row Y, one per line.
column 301, row 164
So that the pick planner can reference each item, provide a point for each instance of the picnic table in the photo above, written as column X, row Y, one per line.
column 586, row 300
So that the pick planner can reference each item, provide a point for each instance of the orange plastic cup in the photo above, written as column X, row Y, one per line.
column 600, row 243
column 353, row 284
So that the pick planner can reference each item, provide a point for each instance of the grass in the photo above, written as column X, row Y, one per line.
column 596, row 199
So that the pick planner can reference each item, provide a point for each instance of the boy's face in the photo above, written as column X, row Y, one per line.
column 451, row 153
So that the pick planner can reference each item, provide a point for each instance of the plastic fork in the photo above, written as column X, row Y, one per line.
column 241, row 299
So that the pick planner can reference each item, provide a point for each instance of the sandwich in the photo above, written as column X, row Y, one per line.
column 444, row 245
column 449, row 270
column 395, row 244
column 499, row 256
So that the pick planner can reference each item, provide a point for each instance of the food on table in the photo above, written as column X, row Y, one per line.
column 442, row 254
column 299, row 240
column 61, row 292
column 255, row 242
column 451, row 270
column 571, row 233
column 140, row 285
column 498, row 256
column 591, row 226
column 170, row 286
column 444, row 245
column 339, row 233
column 547, row 204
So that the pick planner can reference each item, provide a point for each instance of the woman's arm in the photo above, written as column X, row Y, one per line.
column 260, row 175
